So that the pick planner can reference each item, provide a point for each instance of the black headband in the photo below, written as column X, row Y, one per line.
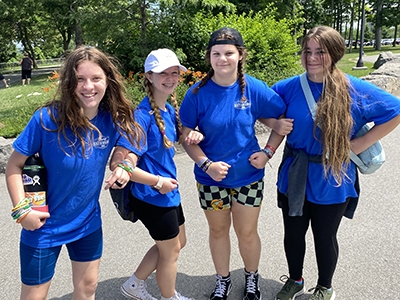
column 237, row 38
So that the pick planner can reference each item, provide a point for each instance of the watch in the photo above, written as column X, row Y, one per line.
column 160, row 182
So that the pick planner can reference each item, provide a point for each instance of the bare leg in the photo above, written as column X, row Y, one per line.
column 85, row 277
column 219, row 223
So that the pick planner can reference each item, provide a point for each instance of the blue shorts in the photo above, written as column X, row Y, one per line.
column 37, row 265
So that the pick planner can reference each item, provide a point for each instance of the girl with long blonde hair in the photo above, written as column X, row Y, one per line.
column 317, row 182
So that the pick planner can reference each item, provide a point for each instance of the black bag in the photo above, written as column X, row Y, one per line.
column 120, row 197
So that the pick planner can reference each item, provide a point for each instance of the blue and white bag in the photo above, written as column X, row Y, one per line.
column 367, row 161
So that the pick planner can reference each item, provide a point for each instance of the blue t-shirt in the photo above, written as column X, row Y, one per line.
column 154, row 157
column 74, row 182
column 228, row 126
column 370, row 104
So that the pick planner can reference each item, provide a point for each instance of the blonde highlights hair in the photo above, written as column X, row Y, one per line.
column 157, row 114
column 333, row 114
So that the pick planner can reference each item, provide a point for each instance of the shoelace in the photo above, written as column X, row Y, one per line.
column 288, row 284
column 251, row 284
column 319, row 291
column 220, row 288
column 143, row 288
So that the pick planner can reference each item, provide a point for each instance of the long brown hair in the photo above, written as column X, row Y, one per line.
column 157, row 114
column 71, row 114
column 333, row 114
column 241, row 63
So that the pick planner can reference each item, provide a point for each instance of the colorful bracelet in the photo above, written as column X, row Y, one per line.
column 206, row 165
column 201, row 162
column 268, row 152
column 127, row 167
column 270, row 147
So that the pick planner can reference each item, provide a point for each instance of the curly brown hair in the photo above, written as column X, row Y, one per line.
column 333, row 114
column 70, row 113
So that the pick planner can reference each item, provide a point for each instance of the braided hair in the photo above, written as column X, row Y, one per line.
column 157, row 114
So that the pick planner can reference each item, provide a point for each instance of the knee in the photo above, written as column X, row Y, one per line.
column 247, row 235
column 87, row 287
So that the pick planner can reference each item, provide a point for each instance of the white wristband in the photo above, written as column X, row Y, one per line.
column 160, row 182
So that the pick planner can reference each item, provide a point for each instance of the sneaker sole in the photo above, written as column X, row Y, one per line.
column 333, row 295
column 127, row 295
column 299, row 293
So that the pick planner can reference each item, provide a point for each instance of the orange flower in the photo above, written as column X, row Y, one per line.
column 191, row 82
column 46, row 89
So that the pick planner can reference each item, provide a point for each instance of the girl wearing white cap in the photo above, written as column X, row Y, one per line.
column 229, row 162
column 155, row 197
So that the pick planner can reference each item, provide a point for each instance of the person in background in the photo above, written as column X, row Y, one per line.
column 229, row 164
column 26, row 68
column 4, row 80
column 74, row 134
column 317, row 182
column 154, row 196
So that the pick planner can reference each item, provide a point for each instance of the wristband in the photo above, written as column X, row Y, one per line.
column 127, row 167
column 270, row 147
column 201, row 162
column 160, row 182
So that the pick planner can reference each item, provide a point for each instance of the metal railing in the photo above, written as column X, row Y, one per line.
column 42, row 62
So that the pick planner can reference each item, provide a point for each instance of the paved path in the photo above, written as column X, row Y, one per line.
column 15, row 77
column 369, row 244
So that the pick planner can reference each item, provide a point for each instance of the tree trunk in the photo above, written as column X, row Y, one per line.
column 351, row 26
column 378, row 26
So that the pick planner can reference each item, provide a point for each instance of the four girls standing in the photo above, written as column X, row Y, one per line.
column 75, row 133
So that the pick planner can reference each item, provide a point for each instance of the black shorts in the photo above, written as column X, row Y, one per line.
column 161, row 222
column 1, row 76
column 26, row 74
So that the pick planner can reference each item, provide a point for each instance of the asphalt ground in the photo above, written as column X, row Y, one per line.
column 368, row 265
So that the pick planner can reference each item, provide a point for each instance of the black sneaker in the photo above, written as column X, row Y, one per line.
column 222, row 288
column 252, row 289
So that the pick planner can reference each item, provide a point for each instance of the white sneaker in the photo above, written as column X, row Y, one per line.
column 135, row 288
column 177, row 296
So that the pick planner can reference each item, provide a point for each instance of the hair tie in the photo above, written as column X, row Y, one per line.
column 163, row 132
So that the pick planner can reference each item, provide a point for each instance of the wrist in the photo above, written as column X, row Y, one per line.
column 159, row 183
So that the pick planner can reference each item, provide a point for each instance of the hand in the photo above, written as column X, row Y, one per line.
column 283, row 126
column 258, row 160
column 168, row 185
column 194, row 137
column 119, row 175
column 34, row 220
column 218, row 170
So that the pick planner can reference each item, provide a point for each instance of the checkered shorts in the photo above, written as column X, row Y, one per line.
column 220, row 198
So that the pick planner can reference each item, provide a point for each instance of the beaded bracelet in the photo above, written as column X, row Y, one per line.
column 127, row 167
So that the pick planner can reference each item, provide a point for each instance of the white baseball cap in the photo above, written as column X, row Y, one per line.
column 160, row 60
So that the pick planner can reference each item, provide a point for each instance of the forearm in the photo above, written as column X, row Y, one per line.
column 376, row 133
column 193, row 150
column 13, row 175
column 275, row 140
column 120, row 154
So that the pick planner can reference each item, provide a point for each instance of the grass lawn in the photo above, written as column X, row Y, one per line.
column 18, row 103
